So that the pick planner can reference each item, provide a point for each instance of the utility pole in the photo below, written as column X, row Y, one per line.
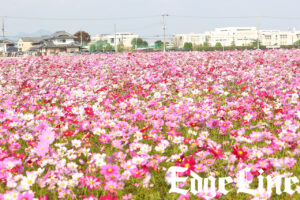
column 164, row 29
column 258, row 24
column 115, row 41
column 81, row 38
column 136, row 43
column 3, row 45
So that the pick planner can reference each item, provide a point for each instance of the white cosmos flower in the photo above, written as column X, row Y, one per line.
column 157, row 95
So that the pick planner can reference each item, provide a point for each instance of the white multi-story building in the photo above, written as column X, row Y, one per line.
column 124, row 38
column 194, row 38
column 277, row 37
column 238, row 36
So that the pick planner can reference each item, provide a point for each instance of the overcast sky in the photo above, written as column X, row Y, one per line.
column 144, row 17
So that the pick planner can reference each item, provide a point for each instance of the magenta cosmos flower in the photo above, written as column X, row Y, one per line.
column 213, row 123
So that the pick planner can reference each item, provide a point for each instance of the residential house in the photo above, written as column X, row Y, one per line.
column 58, row 42
column 25, row 43
column 7, row 47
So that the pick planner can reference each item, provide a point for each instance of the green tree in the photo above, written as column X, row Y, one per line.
column 100, row 45
column 138, row 43
column 254, row 43
column 218, row 45
column 159, row 44
column 297, row 43
column 232, row 44
column 188, row 46
column 92, row 47
column 205, row 44
column 109, row 47
column 121, row 46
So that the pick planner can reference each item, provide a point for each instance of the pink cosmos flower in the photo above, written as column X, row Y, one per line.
column 42, row 126
column 42, row 148
column 110, row 171
column 45, row 197
column 127, row 196
column 104, row 139
column 111, row 186
column 25, row 196
column 47, row 137
column 85, row 125
column 91, row 182
column 213, row 123
column 14, row 146
column 91, row 197
column 64, row 193
column 184, row 197
column 3, row 171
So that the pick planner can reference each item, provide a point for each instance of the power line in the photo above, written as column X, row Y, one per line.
column 79, row 19
column 234, row 17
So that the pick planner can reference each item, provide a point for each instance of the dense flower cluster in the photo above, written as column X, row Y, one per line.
column 108, row 126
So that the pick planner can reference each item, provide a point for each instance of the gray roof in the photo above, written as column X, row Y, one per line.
column 62, row 35
column 50, row 44
column 47, row 41
column 41, row 39
column 11, row 49
column 6, row 41
column 30, row 39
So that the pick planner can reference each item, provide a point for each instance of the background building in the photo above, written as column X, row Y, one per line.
column 25, row 43
column 194, row 38
column 277, row 37
column 58, row 42
column 124, row 38
column 238, row 36
column 7, row 47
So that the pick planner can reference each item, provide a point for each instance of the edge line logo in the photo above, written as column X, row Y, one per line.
column 242, row 183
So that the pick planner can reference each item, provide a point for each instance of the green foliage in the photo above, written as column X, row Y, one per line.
column 218, row 45
column 297, row 43
column 101, row 45
column 159, row 44
column 232, row 44
column 138, row 43
column 121, row 46
column 254, row 43
column 205, row 44
column 188, row 46
column 92, row 47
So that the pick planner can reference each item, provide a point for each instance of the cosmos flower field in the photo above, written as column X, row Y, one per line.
column 109, row 126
